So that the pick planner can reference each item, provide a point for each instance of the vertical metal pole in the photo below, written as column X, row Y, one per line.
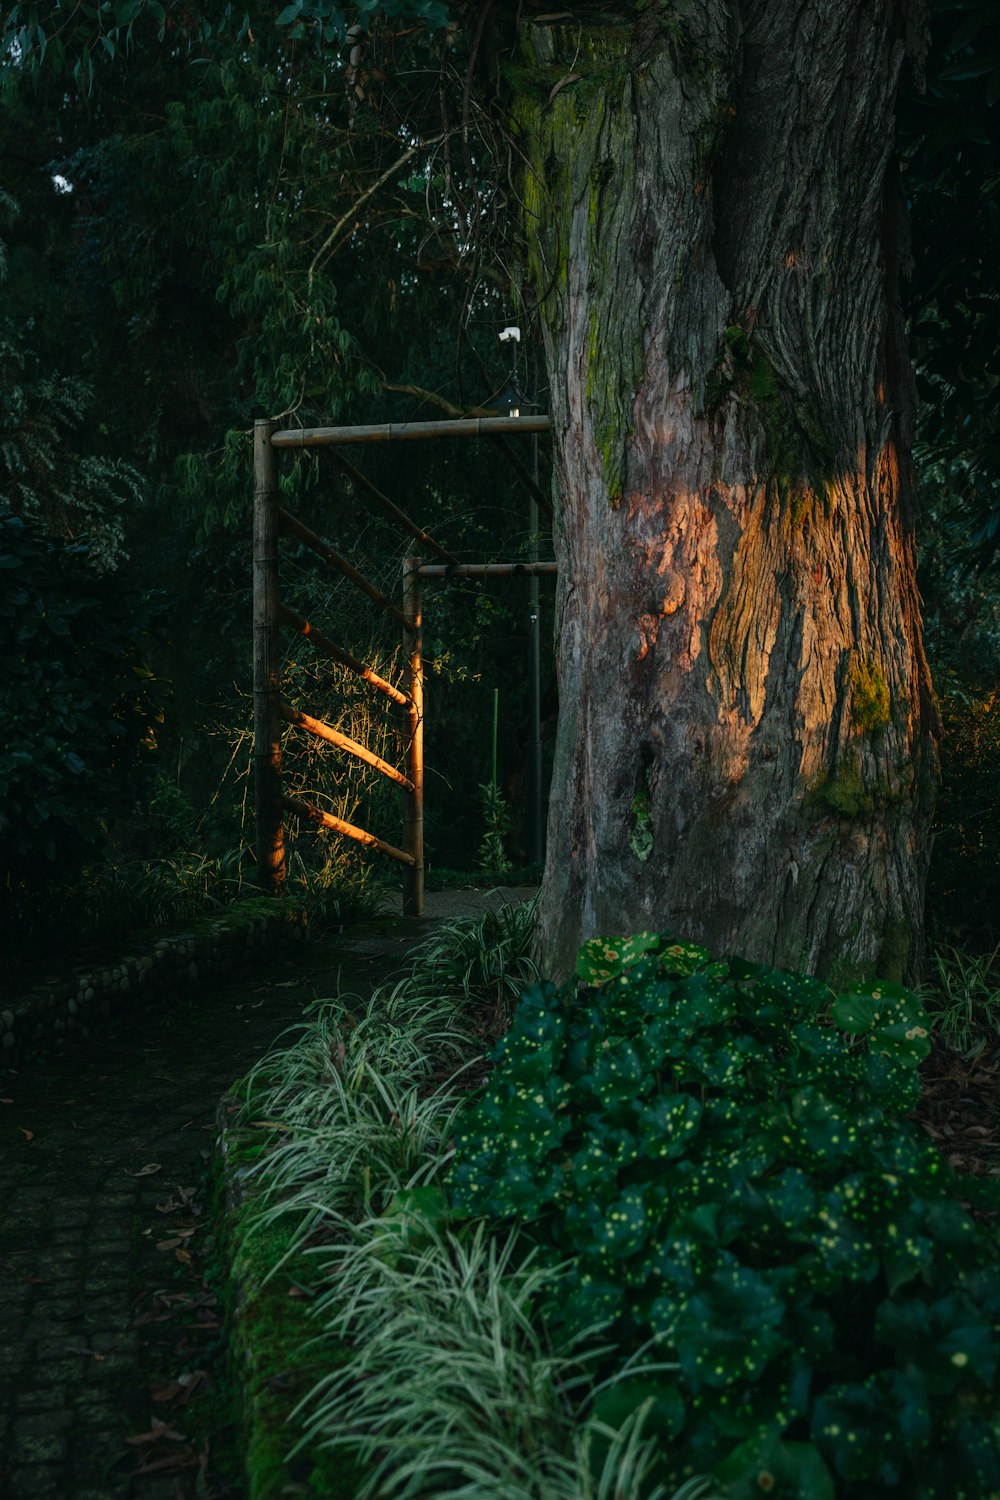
column 413, row 802
column 536, row 852
column 270, row 838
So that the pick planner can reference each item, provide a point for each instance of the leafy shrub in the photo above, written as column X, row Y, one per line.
column 964, row 886
column 732, row 1175
column 78, row 708
column 45, row 477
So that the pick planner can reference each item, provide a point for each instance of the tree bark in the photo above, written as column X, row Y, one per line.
column 746, row 750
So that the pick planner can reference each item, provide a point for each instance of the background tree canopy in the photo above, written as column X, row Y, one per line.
column 312, row 210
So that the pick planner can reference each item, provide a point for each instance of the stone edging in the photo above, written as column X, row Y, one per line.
column 89, row 998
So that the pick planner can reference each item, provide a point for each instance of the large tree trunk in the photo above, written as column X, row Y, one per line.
column 746, row 750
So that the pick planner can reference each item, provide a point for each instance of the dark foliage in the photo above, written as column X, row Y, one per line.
column 78, row 707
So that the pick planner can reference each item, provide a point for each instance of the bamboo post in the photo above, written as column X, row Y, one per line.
column 270, row 841
column 536, row 845
column 413, row 801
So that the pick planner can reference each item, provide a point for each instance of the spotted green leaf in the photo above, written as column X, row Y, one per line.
column 604, row 958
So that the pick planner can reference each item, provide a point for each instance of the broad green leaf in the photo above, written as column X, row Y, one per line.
column 787, row 1471
column 601, row 959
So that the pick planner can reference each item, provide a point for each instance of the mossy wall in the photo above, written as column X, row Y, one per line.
column 161, row 968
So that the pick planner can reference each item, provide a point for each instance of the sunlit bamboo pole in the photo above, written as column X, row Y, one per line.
column 408, row 432
column 349, row 830
column 326, row 647
column 413, row 802
column 489, row 570
column 324, row 550
column 391, row 508
column 323, row 731
column 269, row 833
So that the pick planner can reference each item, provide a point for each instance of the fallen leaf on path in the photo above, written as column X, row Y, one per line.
column 156, row 1431
column 29, row 1135
column 93, row 1354
column 6, row 1101
column 185, row 1458
column 184, row 1256
column 147, row 1170
column 171, row 1244
column 184, row 1387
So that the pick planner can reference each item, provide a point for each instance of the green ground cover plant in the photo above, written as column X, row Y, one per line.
column 441, row 1374
column 718, row 1153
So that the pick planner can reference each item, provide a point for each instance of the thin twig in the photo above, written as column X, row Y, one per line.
column 358, row 203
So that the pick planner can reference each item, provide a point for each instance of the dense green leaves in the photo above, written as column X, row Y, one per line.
column 950, row 140
column 78, row 708
column 719, row 1148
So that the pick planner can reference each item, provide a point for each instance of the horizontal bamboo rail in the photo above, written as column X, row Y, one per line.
column 391, row 508
column 323, row 731
column 337, row 825
column 327, row 553
column 489, row 570
column 326, row 647
column 407, row 432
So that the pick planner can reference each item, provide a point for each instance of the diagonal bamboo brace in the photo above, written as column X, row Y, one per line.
column 343, row 742
column 349, row 830
column 328, row 554
column 326, row 647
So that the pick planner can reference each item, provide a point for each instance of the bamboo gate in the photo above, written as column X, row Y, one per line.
column 271, row 712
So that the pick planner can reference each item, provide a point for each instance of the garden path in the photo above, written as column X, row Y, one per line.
column 109, row 1323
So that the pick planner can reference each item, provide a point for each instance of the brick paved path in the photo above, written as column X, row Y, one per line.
column 104, row 1155
column 104, row 1159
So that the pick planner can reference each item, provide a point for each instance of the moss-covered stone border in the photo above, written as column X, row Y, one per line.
column 160, row 967
column 274, row 1353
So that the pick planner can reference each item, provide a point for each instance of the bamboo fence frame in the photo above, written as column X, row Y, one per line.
column 268, row 612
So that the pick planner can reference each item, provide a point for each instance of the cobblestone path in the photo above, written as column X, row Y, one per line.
column 105, row 1319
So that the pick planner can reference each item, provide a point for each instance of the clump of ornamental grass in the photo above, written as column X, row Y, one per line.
column 963, row 999
column 454, row 1386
